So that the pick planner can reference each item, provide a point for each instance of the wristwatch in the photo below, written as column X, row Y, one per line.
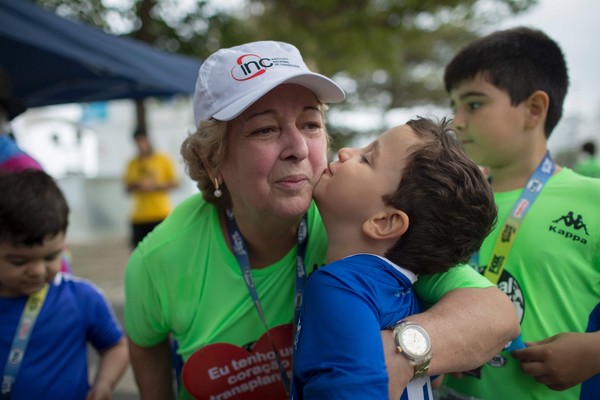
column 412, row 341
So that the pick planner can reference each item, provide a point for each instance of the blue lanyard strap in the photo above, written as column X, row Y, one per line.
column 239, row 248
column 513, row 222
column 21, row 340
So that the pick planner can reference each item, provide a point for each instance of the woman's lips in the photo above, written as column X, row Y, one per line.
column 293, row 181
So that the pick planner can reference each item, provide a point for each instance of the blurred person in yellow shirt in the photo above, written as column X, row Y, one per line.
column 148, row 177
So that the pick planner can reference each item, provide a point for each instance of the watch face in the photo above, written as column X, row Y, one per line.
column 415, row 341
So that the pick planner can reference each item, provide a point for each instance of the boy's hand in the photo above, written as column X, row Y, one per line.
column 100, row 391
column 561, row 361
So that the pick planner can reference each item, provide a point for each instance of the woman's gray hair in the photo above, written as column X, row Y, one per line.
column 203, row 153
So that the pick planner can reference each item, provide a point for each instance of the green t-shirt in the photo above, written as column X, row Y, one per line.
column 588, row 167
column 552, row 275
column 183, row 279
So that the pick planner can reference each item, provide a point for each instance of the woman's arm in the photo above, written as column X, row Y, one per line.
column 152, row 370
column 467, row 327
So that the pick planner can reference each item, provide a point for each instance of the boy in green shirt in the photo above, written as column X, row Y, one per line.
column 507, row 91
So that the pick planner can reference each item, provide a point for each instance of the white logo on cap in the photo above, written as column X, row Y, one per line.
column 251, row 65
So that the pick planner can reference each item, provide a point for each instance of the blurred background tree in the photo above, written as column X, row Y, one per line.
column 387, row 54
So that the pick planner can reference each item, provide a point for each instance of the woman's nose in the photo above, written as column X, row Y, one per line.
column 295, row 144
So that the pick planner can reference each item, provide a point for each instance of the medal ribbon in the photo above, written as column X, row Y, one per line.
column 239, row 248
column 513, row 222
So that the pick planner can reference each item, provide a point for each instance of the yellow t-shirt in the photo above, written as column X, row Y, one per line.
column 158, row 169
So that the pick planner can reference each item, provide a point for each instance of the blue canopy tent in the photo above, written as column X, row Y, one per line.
column 53, row 60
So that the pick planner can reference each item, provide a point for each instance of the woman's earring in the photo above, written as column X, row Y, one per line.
column 218, row 193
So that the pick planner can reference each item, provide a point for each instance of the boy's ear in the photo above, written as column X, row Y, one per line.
column 537, row 105
column 386, row 225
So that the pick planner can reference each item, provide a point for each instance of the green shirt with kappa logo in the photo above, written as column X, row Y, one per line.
column 552, row 275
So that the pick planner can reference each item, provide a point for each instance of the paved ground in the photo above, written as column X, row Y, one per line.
column 103, row 262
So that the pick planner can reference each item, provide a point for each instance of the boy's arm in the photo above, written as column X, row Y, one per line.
column 467, row 328
column 563, row 360
column 113, row 362
column 152, row 370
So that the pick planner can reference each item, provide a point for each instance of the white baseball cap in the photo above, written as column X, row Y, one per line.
column 231, row 80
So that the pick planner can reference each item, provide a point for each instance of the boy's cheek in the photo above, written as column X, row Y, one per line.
column 53, row 269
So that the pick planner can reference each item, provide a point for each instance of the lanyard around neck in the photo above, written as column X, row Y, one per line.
column 241, row 252
column 507, row 234
column 21, row 340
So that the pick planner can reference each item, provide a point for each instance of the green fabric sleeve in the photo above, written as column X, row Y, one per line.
column 431, row 288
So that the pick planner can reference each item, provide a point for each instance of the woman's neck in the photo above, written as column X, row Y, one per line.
column 267, row 239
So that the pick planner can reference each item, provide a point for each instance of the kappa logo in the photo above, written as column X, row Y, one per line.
column 572, row 223
column 249, row 66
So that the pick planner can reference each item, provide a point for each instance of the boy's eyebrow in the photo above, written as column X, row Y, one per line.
column 465, row 95
column 470, row 94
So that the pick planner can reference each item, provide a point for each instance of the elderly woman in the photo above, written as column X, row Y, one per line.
column 222, row 273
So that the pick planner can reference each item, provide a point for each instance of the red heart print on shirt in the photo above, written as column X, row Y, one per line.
column 227, row 371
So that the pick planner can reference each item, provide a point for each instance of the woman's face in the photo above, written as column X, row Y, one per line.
column 276, row 153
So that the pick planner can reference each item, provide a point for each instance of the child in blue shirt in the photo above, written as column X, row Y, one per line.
column 47, row 318
column 409, row 203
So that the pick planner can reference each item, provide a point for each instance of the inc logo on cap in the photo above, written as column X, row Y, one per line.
column 250, row 66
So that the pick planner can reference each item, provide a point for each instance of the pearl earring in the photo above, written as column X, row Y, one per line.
column 218, row 193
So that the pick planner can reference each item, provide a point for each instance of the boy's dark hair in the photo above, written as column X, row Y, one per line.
column 520, row 61
column 589, row 148
column 32, row 208
column 448, row 200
